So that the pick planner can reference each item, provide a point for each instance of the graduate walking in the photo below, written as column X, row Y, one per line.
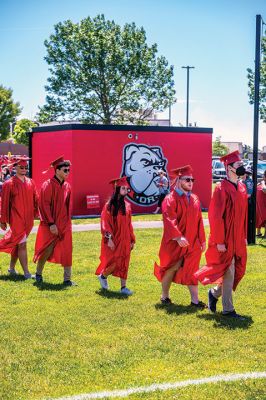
column 226, row 255
column 54, row 236
column 183, row 238
column 118, row 238
column 18, row 208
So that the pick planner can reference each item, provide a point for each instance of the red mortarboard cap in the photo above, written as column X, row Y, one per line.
column 57, row 161
column 54, row 164
column 21, row 160
column 120, row 182
column 17, row 160
column 182, row 171
column 231, row 158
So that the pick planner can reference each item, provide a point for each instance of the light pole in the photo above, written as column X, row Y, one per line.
column 187, row 68
column 256, row 121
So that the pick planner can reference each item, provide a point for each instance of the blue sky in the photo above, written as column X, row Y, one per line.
column 216, row 37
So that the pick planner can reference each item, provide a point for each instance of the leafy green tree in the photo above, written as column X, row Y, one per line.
column 251, row 80
column 9, row 110
column 104, row 73
column 219, row 149
column 22, row 127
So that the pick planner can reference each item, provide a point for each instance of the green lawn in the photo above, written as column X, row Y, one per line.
column 56, row 342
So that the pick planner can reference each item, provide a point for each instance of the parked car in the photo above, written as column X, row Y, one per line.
column 218, row 170
column 261, row 167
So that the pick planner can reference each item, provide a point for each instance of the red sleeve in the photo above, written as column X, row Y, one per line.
column 45, row 203
column 69, row 201
column 6, row 200
column 216, row 212
column 132, row 235
column 201, row 232
column 106, row 221
column 35, row 201
column 169, row 210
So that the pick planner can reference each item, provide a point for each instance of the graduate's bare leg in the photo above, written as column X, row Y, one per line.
column 12, row 265
column 41, row 262
column 23, row 258
column 168, row 278
column 194, row 293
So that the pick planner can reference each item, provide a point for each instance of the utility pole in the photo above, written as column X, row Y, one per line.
column 170, row 114
column 256, row 121
column 187, row 68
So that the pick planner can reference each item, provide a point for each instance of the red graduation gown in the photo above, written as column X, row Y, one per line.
column 181, row 218
column 54, row 206
column 122, row 233
column 18, row 209
column 261, row 207
column 228, row 225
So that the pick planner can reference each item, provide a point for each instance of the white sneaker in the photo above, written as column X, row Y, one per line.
column 103, row 282
column 126, row 291
column 12, row 272
column 29, row 276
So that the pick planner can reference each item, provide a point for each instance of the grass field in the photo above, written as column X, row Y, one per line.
column 56, row 342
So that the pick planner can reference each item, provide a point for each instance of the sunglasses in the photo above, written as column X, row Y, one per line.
column 188, row 179
column 66, row 170
column 23, row 167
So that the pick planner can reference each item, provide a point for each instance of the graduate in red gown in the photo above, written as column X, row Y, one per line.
column 18, row 209
column 54, row 236
column 261, row 207
column 118, row 238
column 183, row 238
column 226, row 255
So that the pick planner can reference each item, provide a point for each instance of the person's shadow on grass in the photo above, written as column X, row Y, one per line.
column 177, row 309
column 221, row 322
column 109, row 294
column 13, row 278
column 49, row 286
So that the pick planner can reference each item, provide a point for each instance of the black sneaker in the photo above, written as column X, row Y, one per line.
column 232, row 314
column 212, row 301
column 166, row 300
column 200, row 305
column 69, row 283
column 38, row 278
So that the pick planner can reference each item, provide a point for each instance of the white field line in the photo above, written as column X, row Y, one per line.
column 166, row 386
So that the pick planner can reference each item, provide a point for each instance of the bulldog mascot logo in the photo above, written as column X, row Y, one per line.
column 141, row 164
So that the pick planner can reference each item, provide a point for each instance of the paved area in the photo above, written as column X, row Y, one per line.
column 96, row 227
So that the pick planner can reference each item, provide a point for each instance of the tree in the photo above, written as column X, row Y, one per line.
column 251, row 80
column 104, row 73
column 219, row 149
column 9, row 110
column 22, row 127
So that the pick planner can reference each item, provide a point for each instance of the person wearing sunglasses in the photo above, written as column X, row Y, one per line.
column 118, row 238
column 54, row 236
column 19, row 207
column 227, row 254
column 183, row 238
column 163, row 186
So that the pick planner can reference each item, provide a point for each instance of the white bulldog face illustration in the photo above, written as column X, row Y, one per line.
column 141, row 165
